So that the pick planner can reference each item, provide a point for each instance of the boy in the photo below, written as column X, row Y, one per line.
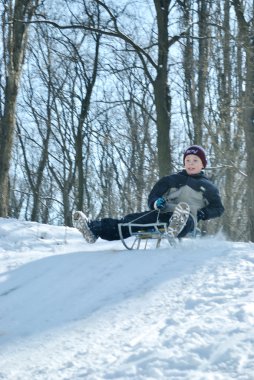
column 180, row 200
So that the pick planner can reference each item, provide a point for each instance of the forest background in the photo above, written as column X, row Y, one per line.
column 99, row 99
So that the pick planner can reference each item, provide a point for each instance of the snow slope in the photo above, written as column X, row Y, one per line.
column 69, row 310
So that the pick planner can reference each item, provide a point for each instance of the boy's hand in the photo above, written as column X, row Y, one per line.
column 201, row 215
column 160, row 204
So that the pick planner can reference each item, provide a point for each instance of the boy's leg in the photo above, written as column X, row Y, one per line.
column 109, row 226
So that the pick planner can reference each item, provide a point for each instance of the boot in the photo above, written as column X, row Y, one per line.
column 82, row 223
column 178, row 219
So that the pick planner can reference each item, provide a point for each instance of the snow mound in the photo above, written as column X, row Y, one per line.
column 70, row 310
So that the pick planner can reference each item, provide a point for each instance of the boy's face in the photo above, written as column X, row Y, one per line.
column 193, row 164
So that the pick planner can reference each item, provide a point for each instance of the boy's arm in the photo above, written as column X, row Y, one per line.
column 159, row 189
column 215, row 208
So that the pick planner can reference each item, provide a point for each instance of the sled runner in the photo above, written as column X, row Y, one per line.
column 153, row 231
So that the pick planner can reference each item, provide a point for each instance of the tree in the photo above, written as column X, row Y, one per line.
column 65, row 73
column 157, row 70
column 246, row 35
column 15, row 35
column 195, row 63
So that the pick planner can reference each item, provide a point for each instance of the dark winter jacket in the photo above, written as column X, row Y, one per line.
column 197, row 190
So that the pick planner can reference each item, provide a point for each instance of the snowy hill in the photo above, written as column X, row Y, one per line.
column 69, row 310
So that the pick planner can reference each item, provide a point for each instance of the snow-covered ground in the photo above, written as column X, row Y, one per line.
column 71, row 311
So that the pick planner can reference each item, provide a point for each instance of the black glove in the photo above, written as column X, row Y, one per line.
column 201, row 215
column 160, row 204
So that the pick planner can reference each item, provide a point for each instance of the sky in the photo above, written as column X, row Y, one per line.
column 70, row 310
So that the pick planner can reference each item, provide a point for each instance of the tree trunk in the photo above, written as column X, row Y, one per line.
column 161, row 90
column 246, row 35
column 196, row 69
column 81, row 159
column 7, row 123
column 249, row 133
column 15, row 46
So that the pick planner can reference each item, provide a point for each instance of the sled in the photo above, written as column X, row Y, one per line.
column 150, row 232
column 144, row 233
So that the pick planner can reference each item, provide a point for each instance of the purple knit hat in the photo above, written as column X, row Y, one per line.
column 197, row 151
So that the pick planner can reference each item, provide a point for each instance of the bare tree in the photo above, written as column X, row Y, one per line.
column 61, row 67
column 246, row 29
column 195, row 64
column 155, row 69
column 14, row 32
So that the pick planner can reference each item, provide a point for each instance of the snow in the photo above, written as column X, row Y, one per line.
column 70, row 310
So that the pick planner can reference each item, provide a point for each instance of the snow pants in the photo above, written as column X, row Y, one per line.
column 107, row 228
